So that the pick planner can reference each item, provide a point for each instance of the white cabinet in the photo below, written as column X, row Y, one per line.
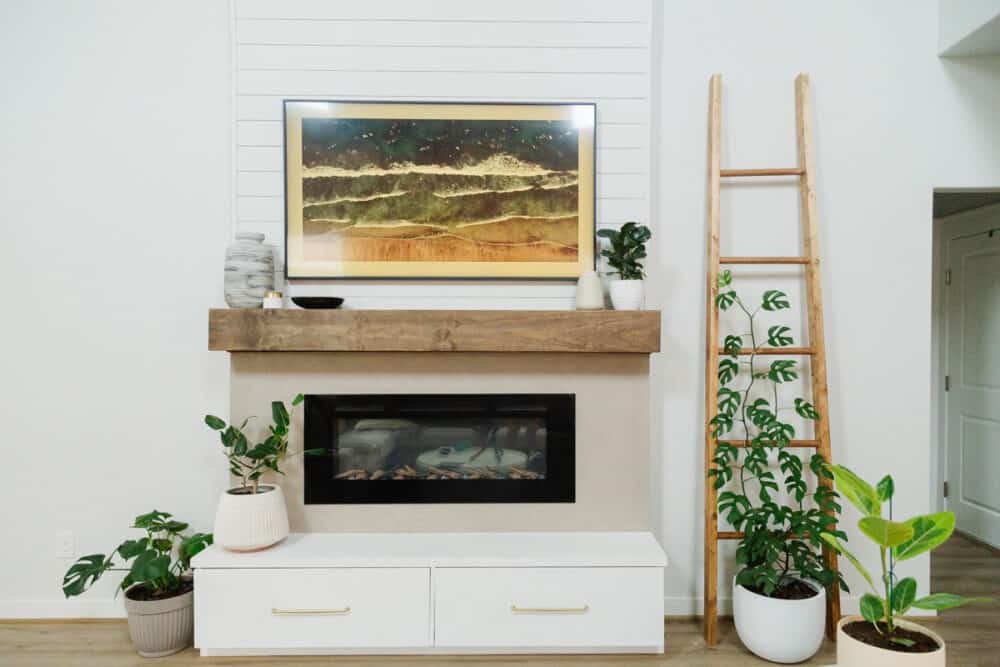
column 548, row 608
column 433, row 593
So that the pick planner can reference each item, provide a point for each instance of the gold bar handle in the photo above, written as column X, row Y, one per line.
column 275, row 611
column 549, row 610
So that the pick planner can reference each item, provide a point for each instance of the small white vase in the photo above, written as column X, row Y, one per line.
column 780, row 630
column 627, row 294
column 854, row 653
column 589, row 295
column 249, row 273
column 251, row 521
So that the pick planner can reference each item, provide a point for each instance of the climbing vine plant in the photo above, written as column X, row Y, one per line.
column 781, row 531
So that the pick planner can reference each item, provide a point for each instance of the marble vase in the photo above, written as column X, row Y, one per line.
column 249, row 271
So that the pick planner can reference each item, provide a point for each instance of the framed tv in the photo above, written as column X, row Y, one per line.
column 438, row 190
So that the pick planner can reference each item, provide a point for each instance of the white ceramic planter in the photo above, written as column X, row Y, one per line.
column 780, row 630
column 251, row 521
column 853, row 653
column 589, row 293
column 627, row 294
column 161, row 627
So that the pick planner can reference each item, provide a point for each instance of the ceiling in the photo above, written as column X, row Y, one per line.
column 949, row 203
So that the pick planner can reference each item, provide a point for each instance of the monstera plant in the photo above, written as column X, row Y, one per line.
column 890, row 598
column 780, row 556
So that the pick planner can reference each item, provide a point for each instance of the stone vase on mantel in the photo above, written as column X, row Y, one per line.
column 249, row 271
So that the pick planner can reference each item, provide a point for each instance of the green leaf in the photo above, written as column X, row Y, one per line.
column 131, row 548
column 82, row 574
column 150, row 520
column 872, row 608
column 857, row 491
column 279, row 413
column 776, row 336
column 725, row 299
column 729, row 400
column 190, row 546
column 782, row 370
column 774, row 300
column 298, row 399
column 724, row 279
column 885, row 488
column 163, row 545
column 728, row 369
column 733, row 345
column 805, row 409
column 884, row 532
column 903, row 594
column 929, row 531
column 842, row 550
column 150, row 565
column 902, row 641
column 939, row 601
column 214, row 422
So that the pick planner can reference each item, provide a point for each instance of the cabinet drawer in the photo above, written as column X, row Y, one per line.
column 312, row 608
column 549, row 608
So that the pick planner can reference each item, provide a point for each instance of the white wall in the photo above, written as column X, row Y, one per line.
column 115, row 202
column 453, row 51
column 891, row 122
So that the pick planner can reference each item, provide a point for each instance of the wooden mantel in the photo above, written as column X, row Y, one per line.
column 604, row 331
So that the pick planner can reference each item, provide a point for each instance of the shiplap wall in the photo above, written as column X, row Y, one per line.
column 448, row 50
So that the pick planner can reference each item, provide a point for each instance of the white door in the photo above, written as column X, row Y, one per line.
column 973, row 399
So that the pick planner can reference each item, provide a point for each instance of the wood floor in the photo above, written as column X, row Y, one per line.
column 961, row 566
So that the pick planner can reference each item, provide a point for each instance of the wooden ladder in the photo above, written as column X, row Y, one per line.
column 816, row 348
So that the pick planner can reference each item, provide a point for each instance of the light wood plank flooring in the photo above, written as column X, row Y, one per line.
column 961, row 566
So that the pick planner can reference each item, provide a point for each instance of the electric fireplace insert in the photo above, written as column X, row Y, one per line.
column 440, row 448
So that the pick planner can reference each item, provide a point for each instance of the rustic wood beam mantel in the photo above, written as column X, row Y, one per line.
column 604, row 331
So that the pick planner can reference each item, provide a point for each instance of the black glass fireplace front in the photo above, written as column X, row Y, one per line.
column 440, row 448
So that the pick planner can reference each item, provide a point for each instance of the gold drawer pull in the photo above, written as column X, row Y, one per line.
column 310, row 612
column 550, row 610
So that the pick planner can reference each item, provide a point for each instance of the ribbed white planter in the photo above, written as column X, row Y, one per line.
column 853, row 653
column 161, row 627
column 780, row 630
column 626, row 294
column 251, row 521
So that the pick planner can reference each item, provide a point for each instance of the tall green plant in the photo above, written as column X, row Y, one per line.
column 628, row 246
column 780, row 538
column 158, row 559
column 249, row 462
column 896, row 542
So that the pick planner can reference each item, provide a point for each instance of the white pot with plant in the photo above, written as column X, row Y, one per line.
column 252, row 515
column 159, row 594
column 628, row 246
column 879, row 638
column 779, row 594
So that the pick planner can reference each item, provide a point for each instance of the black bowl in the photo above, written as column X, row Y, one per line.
column 317, row 301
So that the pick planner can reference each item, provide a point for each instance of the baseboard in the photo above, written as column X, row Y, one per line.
column 75, row 608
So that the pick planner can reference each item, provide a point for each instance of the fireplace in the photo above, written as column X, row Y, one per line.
column 440, row 448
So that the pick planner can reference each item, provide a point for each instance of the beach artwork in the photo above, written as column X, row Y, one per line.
column 439, row 190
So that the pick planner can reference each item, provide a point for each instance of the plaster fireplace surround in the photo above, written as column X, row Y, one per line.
column 541, row 415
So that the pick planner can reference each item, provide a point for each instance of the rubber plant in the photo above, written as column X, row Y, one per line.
column 158, row 559
column 628, row 246
column 897, row 541
column 249, row 462
column 781, row 536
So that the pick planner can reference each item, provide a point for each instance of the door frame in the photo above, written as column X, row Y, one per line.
column 965, row 223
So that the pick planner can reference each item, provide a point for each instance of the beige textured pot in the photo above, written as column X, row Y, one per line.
column 251, row 521
column 852, row 653
column 161, row 627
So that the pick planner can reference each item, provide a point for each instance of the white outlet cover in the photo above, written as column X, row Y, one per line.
column 65, row 547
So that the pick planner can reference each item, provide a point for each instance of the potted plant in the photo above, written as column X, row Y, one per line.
column 879, row 637
column 252, row 515
column 159, row 595
column 628, row 246
column 779, row 593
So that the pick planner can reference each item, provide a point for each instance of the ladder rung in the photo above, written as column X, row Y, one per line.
column 793, row 443
column 791, row 171
column 763, row 260
column 775, row 351
column 730, row 535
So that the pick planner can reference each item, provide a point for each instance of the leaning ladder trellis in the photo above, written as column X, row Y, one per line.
column 814, row 304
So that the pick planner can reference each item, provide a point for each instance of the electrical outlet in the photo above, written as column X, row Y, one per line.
column 65, row 547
